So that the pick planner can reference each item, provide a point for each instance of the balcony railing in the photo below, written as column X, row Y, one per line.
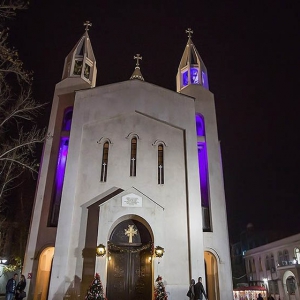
column 287, row 263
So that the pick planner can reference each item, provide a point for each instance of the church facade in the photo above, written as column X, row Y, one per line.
column 130, row 187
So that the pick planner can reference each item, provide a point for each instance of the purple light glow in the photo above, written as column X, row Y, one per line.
column 61, row 167
column 200, row 125
column 194, row 76
column 203, row 173
column 204, row 80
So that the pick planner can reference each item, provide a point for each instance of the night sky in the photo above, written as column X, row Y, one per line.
column 252, row 53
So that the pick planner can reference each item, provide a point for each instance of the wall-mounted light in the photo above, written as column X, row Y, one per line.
column 3, row 261
column 159, row 251
column 100, row 250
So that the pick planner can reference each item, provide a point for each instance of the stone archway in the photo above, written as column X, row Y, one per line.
column 129, row 270
column 212, row 276
column 43, row 274
column 289, row 282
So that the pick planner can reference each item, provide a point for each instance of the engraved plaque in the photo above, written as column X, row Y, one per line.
column 132, row 200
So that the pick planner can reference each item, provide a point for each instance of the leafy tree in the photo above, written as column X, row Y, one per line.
column 18, row 110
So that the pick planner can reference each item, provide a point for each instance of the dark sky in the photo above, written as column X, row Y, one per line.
column 251, row 50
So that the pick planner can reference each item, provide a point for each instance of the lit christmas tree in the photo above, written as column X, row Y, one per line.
column 95, row 292
column 159, row 290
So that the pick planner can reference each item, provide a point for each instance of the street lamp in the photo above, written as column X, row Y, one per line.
column 100, row 250
column 159, row 251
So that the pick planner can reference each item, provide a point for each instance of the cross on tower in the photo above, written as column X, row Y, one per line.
column 130, row 232
column 189, row 31
column 137, row 57
column 87, row 24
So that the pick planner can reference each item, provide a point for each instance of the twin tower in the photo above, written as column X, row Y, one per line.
column 130, row 186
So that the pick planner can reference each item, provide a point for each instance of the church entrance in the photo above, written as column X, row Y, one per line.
column 129, row 272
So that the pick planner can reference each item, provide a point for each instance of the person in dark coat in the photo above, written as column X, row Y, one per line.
column 259, row 297
column 199, row 290
column 191, row 291
column 11, row 287
column 20, row 288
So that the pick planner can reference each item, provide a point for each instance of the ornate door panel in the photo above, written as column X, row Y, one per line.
column 129, row 271
column 129, row 275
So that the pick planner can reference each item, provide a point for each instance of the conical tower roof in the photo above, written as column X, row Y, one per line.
column 81, row 61
column 192, row 69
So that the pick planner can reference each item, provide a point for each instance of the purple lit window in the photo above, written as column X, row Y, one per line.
column 203, row 173
column 59, row 179
column 194, row 76
column 104, row 162
column 160, row 164
column 133, row 157
column 200, row 125
column 67, row 119
column 204, row 80
column 60, row 167
column 185, row 78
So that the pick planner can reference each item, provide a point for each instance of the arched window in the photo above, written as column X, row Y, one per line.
column 272, row 263
column 133, row 156
column 253, row 265
column 160, row 164
column 104, row 162
column 203, row 172
column 280, row 258
column 297, row 255
column 267, row 263
column 286, row 257
column 67, row 119
column 260, row 265
column 200, row 125
column 291, row 285
column 61, row 163
column 250, row 266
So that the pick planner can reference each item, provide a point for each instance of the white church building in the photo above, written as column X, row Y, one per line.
column 130, row 187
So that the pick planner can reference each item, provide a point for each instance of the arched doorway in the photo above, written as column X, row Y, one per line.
column 43, row 274
column 290, row 286
column 212, row 278
column 129, row 271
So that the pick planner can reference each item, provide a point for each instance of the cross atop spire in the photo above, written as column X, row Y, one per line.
column 87, row 24
column 189, row 31
column 137, row 71
column 137, row 57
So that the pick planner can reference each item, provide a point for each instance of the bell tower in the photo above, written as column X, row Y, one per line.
column 192, row 80
column 79, row 73
column 191, row 69
column 80, row 62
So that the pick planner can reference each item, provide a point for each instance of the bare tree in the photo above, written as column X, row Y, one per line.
column 18, row 110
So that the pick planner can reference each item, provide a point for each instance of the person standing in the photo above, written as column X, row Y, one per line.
column 20, row 288
column 199, row 290
column 260, row 297
column 191, row 291
column 11, row 287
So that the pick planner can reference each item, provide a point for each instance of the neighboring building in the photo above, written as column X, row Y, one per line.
column 277, row 266
column 129, row 166
column 249, row 239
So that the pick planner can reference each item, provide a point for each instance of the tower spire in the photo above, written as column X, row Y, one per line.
column 81, row 62
column 191, row 70
column 137, row 72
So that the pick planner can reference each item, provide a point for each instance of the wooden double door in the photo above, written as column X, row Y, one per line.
column 129, row 274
